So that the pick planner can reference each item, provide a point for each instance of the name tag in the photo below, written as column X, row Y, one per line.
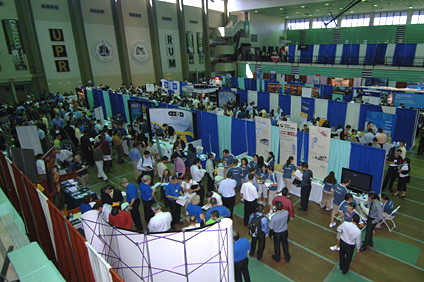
column 176, row 190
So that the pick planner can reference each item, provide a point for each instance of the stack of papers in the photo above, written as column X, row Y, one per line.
column 206, row 207
column 156, row 185
column 298, row 174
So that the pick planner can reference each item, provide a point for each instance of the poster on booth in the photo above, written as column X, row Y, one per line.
column 288, row 141
column 263, row 136
column 304, row 111
column 180, row 120
column 319, row 150
column 226, row 98
column 376, row 120
column 274, row 87
column 98, row 113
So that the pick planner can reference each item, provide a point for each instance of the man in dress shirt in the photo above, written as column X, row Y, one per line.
column 403, row 149
column 146, row 165
column 172, row 192
column 306, row 187
column 197, row 175
column 287, row 203
column 249, row 195
column 368, row 137
column 147, row 196
column 135, row 156
column 210, row 170
column 375, row 214
column 227, row 188
column 161, row 222
column 392, row 171
column 278, row 225
column 350, row 235
column 252, row 171
column 161, row 166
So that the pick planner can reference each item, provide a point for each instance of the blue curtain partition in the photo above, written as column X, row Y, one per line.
column 354, row 54
column 243, row 95
column 339, row 157
column 405, row 123
column 331, row 53
column 263, row 101
column 224, row 132
column 210, row 141
column 234, row 82
column 370, row 55
column 311, row 102
column 241, row 83
column 368, row 160
column 199, row 124
column 302, row 142
column 306, row 55
column 322, row 54
column 117, row 105
column 326, row 91
column 380, row 54
column 409, row 55
column 238, row 136
column 99, row 101
column 345, row 54
column 251, row 137
column 284, row 101
column 363, row 114
column 398, row 55
column 292, row 52
column 336, row 113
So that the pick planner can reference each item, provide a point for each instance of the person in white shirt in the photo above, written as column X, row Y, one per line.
column 161, row 222
column 41, row 166
column 227, row 188
column 249, row 195
column 213, row 195
column 189, row 187
column 98, row 127
column 197, row 174
column 146, row 165
column 152, row 149
column 403, row 149
column 350, row 235
column 161, row 166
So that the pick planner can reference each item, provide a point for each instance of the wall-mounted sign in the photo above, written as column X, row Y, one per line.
column 190, row 47
column 200, row 47
column 103, row 51
column 14, row 43
column 140, row 51
column 170, row 51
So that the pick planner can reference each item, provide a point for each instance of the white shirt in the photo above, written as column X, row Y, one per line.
column 217, row 197
column 41, row 167
column 249, row 192
column 152, row 150
column 405, row 167
column 145, row 162
column 160, row 222
column 227, row 188
column 196, row 173
column 350, row 234
column 161, row 168
column 403, row 154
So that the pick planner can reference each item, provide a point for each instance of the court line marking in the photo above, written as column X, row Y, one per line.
column 276, row 272
column 410, row 216
column 416, row 202
column 330, row 275
column 399, row 260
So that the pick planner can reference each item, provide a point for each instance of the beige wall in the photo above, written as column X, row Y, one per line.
column 194, row 14
column 269, row 29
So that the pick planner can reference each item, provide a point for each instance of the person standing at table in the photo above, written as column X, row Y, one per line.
column 134, row 202
column 197, row 175
column 245, row 168
column 305, row 187
column 81, row 170
column 147, row 196
column 278, row 225
column 287, row 203
column 210, row 170
column 161, row 222
column 120, row 218
column 350, row 235
column 227, row 188
column 241, row 262
column 227, row 158
column 254, row 163
column 288, row 169
column 111, row 196
column 179, row 166
column 98, row 160
column 327, row 192
column 135, row 156
column 172, row 192
column 375, row 214
column 249, row 195
column 152, row 149
column 340, row 192
column 273, row 187
column 381, row 137
column 392, row 171
column 368, row 137
column 237, row 172
column 146, row 165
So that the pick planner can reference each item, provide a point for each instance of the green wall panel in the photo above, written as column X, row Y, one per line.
column 331, row 72
column 368, row 34
column 396, row 75
column 414, row 33
column 319, row 36
column 294, row 36
column 277, row 68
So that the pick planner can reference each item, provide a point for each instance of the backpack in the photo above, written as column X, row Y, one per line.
column 255, row 226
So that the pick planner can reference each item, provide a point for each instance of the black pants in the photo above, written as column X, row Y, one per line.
column 148, row 213
column 369, row 232
column 261, row 245
column 163, row 197
column 175, row 211
column 201, row 194
column 242, row 267
column 421, row 146
column 211, row 183
column 283, row 239
column 346, row 253
column 249, row 208
column 402, row 183
column 135, row 214
column 391, row 176
column 229, row 204
column 305, row 191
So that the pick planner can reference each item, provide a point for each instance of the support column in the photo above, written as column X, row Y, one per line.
column 12, row 86
column 226, row 14
column 154, row 39
column 80, row 40
column 121, row 42
column 206, row 43
column 182, row 37
column 32, row 48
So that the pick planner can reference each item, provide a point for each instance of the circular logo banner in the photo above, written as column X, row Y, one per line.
column 103, row 51
column 140, row 51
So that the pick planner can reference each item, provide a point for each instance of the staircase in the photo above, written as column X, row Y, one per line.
column 302, row 38
column 336, row 36
column 400, row 33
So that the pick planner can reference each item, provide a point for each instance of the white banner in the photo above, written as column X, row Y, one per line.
column 98, row 112
column 288, row 141
column 29, row 139
column 319, row 150
column 180, row 120
column 263, row 136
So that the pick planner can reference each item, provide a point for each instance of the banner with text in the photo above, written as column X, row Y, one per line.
column 319, row 150
column 288, row 141
column 304, row 112
column 376, row 120
column 263, row 136
column 200, row 47
column 15, row 46
column 190, row 47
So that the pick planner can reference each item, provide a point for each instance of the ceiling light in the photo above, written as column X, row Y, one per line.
column 281, row 9
column 326, row 4
column 375, row 5
column 341, row 8
column 287, row 17
column 351, row 12
column 317, row 10
column 297, row 12
column 302, row 6
column 256, row 11
column 410, row 7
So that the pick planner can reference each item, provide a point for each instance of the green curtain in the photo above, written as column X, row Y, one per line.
column 89, row 94
column 107, row 104
column 224, row 132
column 275, row 142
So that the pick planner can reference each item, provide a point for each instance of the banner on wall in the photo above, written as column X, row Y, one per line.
column 82, row 98
column 200, row 47
column 304, row 111
column 98, row 112
column 319, row 150
column 14, row 43
column 263, row 136
column 190, row 47
column 408, row 99
column 274, row 87
column 180, row 120
column 376, row 120
column 288, row 141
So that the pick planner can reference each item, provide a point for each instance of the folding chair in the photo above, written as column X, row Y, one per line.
column 389, row 218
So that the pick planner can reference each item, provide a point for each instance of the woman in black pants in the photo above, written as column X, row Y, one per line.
column 404, row 177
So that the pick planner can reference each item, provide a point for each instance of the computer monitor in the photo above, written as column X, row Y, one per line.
column 360, row 182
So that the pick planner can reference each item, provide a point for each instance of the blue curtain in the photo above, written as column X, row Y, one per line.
column 251, row 137
column 311, row 102
column 199, row 123
column 117, row 105
column 339, row 157
column 292, row 51
column 275, row 142
column 224, row 132
column 234, row 81
column 336, row 113
column 322, row 54
column 284, row 101
column 243, row 95
column 368, row 160
column 240, row 83
column 409, row 55
column 263, row 101
column 363, row 114
column 354, row 54
column 405, row 123
column 398, row 55
column 306, row 55
column 380, row 54
column 326, row 91
column 302, row 138
column 161, row 105
column 370, row 55
column 99, row 101
column 210, row 141
column 331, row 53
column 238, row 136
column 226, row 88
column 345, row 54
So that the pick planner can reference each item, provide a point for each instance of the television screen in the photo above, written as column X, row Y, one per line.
column 360, row 182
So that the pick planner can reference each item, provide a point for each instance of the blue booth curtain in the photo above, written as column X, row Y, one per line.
column 306, row 55
column 370, row 160
column 292, row 52
column 251, row 137
column 405, row 125
column 398, row 55
column 302, row 142
column 336, row 113
column 210, row 141
column 198, row 122
column 331, row 53
column 243, row 95
column 275, row 142
column 354, row 54
column 380, row 54
column 339, row 157
column 409, row 55
column 238, row 136
column 345, row 54
column 224, row 132
column 370, row 55
column 322, row 54
column 311, row 102
column 117, row 105
column 107, row 104
column 326, row 91
column 284, row 101
column 365, row 108
column 263, row 101
column 99, row 100
column 234, row 82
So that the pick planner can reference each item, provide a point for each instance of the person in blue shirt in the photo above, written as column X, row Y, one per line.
column 223, row 211
column 255, row 180
column 85, row 205
column 388, row 205
column 288, row 169
column 134, row 202
column 193, row 209
column 262, row 233
column 241, row 249
column 327, row 193
column 340, row 191
column 58, row 121
column 237, row 172
column 147, row 196
column 245, row 167
column 272, row 178
column 135, row 155
column 254, row 163
column 228, row 158
column 172, row 192
column 271, row 159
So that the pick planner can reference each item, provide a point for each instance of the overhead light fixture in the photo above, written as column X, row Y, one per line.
column 317, row 10
column 281, row 9
column 297, row 12
column 287, row 17
column 351, row 12
column 256, row 11
column 410, row 7
column 326, row 4
column 375, row 5
column 341, row 8
column 302, row 6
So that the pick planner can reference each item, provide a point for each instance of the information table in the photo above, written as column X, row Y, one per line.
column 75, row 192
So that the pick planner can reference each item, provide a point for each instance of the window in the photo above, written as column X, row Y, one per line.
column 320, row 23
column 298, row 24
column 417, row 17
column 355, row 20
column 393, row 18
